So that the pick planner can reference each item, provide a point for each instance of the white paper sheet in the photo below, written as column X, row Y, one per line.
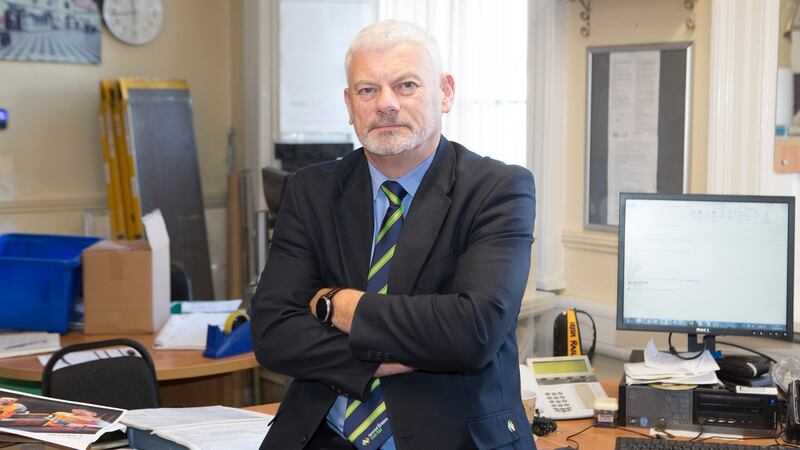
column 633, row 101
column 204, row 428
column 242, row 434
column 187, row 331
column 632, row 167
column 702, row 364
column 661, row 367
column 153, row 418
column 28, row 343
column 208, row 306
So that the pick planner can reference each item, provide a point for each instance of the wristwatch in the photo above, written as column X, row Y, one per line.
column 324, row 310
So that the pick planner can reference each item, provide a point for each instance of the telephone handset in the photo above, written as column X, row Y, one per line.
column 793, row 412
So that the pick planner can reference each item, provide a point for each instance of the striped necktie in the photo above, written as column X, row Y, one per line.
column 366, row 424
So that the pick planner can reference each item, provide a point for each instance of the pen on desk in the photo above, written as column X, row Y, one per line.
column 24, row 344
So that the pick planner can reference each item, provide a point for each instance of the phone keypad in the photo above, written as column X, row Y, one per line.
column 558, row 401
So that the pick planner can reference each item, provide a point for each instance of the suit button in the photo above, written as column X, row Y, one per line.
column 303, row 439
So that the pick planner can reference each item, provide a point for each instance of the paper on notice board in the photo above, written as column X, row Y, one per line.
column 632, row 167
column 633, row 100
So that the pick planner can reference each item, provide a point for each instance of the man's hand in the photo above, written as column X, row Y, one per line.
column 344, row 306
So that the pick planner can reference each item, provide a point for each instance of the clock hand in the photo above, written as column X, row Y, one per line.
column 134, row 13
column 123, row 13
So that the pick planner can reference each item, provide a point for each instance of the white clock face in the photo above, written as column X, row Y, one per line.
column 134, row 22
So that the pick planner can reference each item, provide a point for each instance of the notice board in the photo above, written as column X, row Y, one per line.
column 637, row 125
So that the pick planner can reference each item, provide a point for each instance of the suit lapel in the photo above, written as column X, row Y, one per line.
column 352, row 219
column 421, row 227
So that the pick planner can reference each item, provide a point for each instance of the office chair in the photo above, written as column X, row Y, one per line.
column 180, row 283
column 127, row 382
column 273, row 181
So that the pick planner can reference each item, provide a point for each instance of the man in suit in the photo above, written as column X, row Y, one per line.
column 394, row 280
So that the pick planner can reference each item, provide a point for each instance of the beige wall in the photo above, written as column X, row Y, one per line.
column 51, row 147
column 590, row 257
column 785, row 42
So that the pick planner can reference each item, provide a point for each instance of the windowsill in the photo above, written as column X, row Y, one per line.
column 535, row 303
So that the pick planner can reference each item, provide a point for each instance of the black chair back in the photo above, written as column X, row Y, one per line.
column 127, row 382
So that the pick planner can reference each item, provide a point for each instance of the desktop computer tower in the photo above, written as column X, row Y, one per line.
column 719, row 410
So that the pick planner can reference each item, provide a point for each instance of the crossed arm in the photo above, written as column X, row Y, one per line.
column 460, row 330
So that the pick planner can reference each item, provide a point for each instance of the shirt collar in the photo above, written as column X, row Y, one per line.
column 409, row 181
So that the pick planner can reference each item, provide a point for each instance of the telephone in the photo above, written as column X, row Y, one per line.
column 566, row 386
column 793, row 412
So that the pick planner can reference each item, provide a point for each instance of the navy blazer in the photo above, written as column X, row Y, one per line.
column 456, row 282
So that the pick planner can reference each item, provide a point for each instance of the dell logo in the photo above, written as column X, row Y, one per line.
column 702, row 330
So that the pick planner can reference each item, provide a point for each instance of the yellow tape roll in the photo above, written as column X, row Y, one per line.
column 235, row 319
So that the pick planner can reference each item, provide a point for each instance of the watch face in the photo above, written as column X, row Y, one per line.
column 323, row 311
column 134, row 22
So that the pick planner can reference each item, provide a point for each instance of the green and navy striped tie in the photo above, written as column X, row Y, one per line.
column 366, row 424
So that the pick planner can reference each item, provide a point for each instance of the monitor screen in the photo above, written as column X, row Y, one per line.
column 708, row 264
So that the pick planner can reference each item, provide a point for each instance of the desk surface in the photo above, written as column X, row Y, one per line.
column 593, row 438
column 170, row 364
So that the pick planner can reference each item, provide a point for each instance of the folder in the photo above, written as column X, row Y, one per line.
column 130, row 195
column 110, row 165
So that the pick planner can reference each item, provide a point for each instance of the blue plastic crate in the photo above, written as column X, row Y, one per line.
column 40, row 277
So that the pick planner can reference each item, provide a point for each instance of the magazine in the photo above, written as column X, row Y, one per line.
column 70, row 424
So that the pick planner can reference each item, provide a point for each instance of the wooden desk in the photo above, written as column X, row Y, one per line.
column 186, row 377
column 593, row 438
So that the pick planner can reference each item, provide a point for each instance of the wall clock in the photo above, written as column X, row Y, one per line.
column 134, row 22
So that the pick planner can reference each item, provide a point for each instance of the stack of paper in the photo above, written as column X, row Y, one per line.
column 660, row 367
column 187, row 331
column 28, row 343
column 204, row 428
column 205, row 306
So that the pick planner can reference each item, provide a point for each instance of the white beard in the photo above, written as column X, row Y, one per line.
column 391, row 142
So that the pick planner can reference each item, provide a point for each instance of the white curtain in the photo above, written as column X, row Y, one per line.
column 484, row 45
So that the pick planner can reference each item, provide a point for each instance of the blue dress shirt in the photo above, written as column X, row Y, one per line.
column 380, row 204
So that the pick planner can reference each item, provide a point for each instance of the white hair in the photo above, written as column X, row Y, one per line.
column 390, row 33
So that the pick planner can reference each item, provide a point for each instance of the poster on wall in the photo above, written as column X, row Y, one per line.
column 59, row 31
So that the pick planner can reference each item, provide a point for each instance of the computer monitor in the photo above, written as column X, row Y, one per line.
column 706, row 264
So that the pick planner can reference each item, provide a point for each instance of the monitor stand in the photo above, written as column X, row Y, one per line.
column 709, row 343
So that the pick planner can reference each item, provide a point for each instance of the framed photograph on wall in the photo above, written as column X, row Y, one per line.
column 59, row 31
column 637, row 125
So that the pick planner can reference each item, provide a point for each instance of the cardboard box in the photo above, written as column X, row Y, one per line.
column 126, row 286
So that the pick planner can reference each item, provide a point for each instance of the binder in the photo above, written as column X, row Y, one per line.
column 130, row 194
column 110, row 165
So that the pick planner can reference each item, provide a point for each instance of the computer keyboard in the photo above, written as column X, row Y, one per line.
column 628, row 443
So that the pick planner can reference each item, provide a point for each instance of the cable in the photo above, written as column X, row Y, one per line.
column 675, row 352
column 542, row 425
column 590, row 353
column 747, row 349
column 702, row 424
column 636, row 432
column 569, row 438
